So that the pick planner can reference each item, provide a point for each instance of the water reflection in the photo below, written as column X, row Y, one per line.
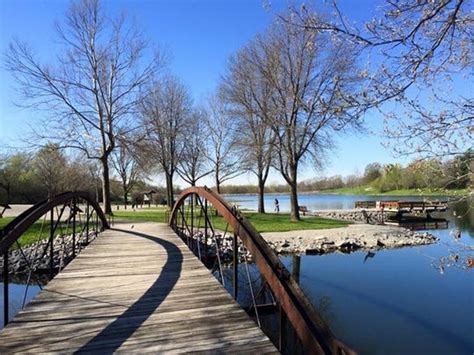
column 398, row 301
column 369, row 255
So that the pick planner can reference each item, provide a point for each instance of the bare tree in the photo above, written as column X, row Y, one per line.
column 94, row 173
column 312, row 79
column 127, row 167
column 51, row 167
column 425, row 53
column 165, row 110
column 92, row 88
column 193, row 163
column 222, row 147
column 249, row 98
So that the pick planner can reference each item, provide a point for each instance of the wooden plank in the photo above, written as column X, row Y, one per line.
column 134, row 290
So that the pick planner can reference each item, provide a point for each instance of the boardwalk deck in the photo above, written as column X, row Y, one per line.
column 134, row 290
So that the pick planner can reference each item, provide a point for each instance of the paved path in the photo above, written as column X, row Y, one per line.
column 134, row 290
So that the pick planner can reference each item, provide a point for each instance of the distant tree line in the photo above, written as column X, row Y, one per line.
column 31, row 177
column 419, row 174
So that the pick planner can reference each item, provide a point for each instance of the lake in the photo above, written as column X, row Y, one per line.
column 313, row 201
column 398, row 301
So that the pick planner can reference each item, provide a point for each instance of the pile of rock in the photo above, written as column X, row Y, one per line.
column 225, row 245
column 326, row 241
column 374, row 217
column 36, row 257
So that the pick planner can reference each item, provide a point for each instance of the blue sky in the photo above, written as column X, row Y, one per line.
column 200, row 36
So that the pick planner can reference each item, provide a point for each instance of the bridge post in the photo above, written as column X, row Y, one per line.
column 87, row 223
column 282, row 330
column 96, row 224
column 51, row 244
column 236, row 266
column 74, row 211
column 192, row 218
column 205, row 228
column 5, row 288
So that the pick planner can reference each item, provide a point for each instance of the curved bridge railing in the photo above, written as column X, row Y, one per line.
column 225, row 241
column 44, row 238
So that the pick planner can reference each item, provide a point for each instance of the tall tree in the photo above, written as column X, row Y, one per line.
column 193, row 163
column 165, row 110
column 18, row 183
column 92, row 87
column 51, row 166
column 312, row 79
column 127, row 167
column 249, row 99
column 222, row 143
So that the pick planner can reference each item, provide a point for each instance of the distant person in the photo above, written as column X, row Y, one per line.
column 277, row 206
column 366, row 216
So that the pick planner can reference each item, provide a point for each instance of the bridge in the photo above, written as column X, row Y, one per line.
column 207, row 282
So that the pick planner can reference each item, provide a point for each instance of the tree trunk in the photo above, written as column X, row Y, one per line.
column 261, row 196
column 295, row 213
column 97, row 195
column 125, row 199
column 218, row 189
column 218, row 185
column 169, row 190
column 106, row 186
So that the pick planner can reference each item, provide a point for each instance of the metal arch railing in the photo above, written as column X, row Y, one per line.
column 56, row 207
column 311, row 330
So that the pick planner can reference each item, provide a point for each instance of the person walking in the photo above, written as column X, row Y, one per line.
column 277, row 206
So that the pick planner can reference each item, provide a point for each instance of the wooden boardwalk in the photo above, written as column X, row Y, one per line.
column 134, row 290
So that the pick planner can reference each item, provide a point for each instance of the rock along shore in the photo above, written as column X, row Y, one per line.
column 356, row 236
column 35, row 257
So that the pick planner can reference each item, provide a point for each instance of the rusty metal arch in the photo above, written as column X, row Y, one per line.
column 23, row 221
column 311, row 329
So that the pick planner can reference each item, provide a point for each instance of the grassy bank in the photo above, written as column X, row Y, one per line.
column 269, row 222
column 40, row 230
column 364, row 190
column 32, row 235
column 147, row 214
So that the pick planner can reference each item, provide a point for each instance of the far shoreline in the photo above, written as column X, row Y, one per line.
column 393, row 193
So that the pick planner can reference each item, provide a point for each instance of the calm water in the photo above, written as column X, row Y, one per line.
column 313, row 201
column 17, row 293
column 398, row 301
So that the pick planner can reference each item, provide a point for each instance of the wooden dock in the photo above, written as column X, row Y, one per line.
column 134, row 290
column 404, row 206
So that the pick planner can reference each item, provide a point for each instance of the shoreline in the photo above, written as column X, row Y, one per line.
column 392, row 193
column 354, row 237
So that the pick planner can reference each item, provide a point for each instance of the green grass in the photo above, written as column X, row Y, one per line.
column 272, row 222
column 269, row 222
column 148, row 214
column 367, row 190
column 38, row 231
column 31, row 234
